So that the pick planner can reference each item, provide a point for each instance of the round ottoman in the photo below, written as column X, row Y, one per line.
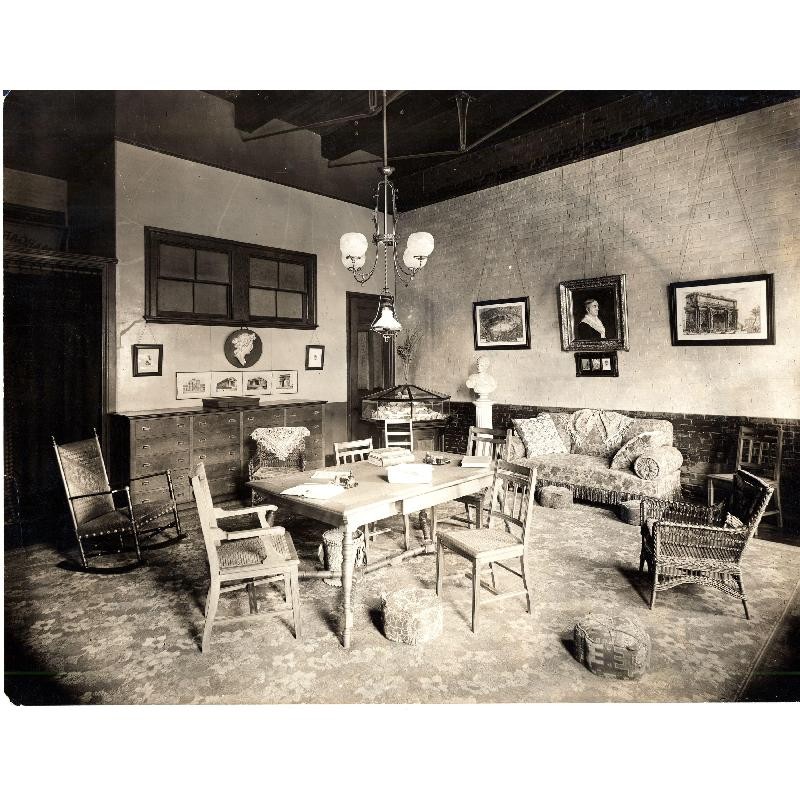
column 555, row 496
column 412, row 615
column 330, row 552
column 614, row 647
column 631, row 512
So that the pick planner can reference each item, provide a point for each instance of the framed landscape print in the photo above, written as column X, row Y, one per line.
column 502, row 324
column 192, row 385
column 737, row 310
column 258, row 384
column 594, row 314
column 596, row 365
column 226, row 384
column 147, row 359
column 315, row 356
column 284, row 381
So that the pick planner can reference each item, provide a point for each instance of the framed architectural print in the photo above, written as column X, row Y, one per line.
column 315, row 356
column 192, row 385
column 226, row 384
column 502, row 324
column 596, row 365
column 737, row 310
column 284, row 381
column 594, row 314
column 147, row 359
column 258, row 384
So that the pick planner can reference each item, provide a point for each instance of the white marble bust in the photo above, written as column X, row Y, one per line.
column 481, row 382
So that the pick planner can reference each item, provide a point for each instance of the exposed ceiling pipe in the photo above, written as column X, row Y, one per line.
column 374, row 109
column 462, row 104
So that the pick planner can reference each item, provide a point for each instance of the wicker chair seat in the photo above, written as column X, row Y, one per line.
column 149, row 512
column 471, row 542
column 111, row 522
column 255, row 550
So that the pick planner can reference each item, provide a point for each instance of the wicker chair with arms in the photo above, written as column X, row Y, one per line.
column 279, row 450
column 91, row 499
column 483, row 442
column 758, row 451
column 511, row 507
column 244, row 559
column 686, row 543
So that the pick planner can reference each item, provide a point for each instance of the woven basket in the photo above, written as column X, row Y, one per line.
column 412, row 615
column 330, row 552
column 613, row 647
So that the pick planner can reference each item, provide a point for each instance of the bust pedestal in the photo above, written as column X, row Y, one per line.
column 483, row 413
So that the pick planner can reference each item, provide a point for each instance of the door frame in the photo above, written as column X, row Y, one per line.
column 391, row 361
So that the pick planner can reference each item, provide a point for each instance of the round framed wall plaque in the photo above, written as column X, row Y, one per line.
column 243, row 348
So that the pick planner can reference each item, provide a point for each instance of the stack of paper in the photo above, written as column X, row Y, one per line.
column 410, row 473
column 476, row 461
column 387, row 456
column 314, row 491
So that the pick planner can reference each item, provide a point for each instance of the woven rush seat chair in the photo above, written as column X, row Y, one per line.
column 687, row 543
column 91, row 500
column 505, row 537
column 279, row 450
column 244, row 559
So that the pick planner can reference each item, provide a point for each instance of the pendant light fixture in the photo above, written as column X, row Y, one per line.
column 354, row 248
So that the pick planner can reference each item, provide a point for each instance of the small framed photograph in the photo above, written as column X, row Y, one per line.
column 284, row 381
column 596, row 365
column 594, row 314
column 723, row 311
column 502, row 324
column 315, row 356
column 258, row 384
column 192, row 385
column 147, row 359
column 226, row 384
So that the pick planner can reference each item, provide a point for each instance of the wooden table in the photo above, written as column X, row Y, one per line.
column 372, row 500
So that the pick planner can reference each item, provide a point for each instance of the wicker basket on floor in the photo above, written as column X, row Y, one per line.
column 613, row 647
column 412, row 615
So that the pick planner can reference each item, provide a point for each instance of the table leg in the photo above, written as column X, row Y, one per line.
column 347, row 585
column 710, row 490
column 434, row 538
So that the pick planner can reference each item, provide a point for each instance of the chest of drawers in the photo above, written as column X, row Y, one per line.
column 179, row 439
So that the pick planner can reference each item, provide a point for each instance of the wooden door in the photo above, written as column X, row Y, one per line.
column 370, row 362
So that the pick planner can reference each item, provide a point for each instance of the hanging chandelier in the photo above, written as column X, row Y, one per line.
column 354, row 248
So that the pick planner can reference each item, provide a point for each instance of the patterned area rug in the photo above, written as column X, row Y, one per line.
column 132, row 636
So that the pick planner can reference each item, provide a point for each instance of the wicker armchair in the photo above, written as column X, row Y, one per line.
column 266, row 462
column 686, row 543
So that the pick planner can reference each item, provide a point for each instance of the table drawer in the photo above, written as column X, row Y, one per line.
column 303, row 415
column 148, row 450
column 158, row 427
column 217, row 422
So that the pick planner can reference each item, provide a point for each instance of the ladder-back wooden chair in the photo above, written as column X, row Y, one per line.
column 398, row 433
column 507, row 536
column 93, row 511
column 759, row 451
column 244, row 559
column 483, row 442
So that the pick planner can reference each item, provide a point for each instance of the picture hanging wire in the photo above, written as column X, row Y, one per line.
column 145, row 329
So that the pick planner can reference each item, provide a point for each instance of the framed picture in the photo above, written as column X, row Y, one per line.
column 147, row 359
column 243, row 348
column 284, row 381
column 315, row 356
column 737, row 310
column 596, row 365
column 258, row 384
column 502, row 324
column 226, row 384
column 192, row 385
column 594, row 314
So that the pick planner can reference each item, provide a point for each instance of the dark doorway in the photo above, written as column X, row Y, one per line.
column 370, row 362
column 53, row 363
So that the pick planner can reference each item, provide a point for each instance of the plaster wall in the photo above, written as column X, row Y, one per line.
column 653, row 212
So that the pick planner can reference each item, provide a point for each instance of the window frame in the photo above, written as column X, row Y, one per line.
column 240, row 254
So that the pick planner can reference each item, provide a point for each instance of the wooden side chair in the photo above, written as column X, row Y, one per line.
column 759, row 451
column 398, row 433
column 483, row 442
column 91, row 499
column 689, row 543
column 507, row 536
column 244, row 559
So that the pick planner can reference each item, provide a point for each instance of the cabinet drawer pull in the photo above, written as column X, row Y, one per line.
column 251, row 419
column 145, row 447
column 231, row 420
column 203, row 439
column 202, row 458
column 181, row 425
column 145, row 483
column 181, row 443
column 145, row 427
column 232, row 469
column 202, row 422
column 146, row 464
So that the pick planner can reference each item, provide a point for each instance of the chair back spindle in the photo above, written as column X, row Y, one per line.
column 759, row 451
column 398, row 433
column 350, row 452
column 512, row 491
column 486, row 442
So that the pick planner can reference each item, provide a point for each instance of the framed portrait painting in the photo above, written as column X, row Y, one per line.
column 147, row 359
column 737, row 311
column 502, row 324
column 594, row 314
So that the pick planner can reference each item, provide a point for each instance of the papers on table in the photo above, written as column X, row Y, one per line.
column 327, row 476
column 314, row 491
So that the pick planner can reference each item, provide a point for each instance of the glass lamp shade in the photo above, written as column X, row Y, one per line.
column 353, row 245
column 353, row 262
column 420, row 244
column 413, row 262
column 385, row 321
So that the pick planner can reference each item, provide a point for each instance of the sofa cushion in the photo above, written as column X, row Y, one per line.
column 598, row 432
column 655, row 461
column 641, row 424
column 633, row 448
column 539, row 436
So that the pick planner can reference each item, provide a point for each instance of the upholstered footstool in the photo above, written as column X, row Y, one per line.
column 330, row 552
column 555, row 496
column 614, row 647
column 631, row 512
column 412, row 615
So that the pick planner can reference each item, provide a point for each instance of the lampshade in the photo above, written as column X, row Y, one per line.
column 420, row 244
column 353, row 262
column 353, row 245
column 412, row 262
column 385, row 322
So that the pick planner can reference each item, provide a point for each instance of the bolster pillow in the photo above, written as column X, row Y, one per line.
column 655, row 461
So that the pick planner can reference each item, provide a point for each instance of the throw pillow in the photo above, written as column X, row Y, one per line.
column 634, row 447
column 655, row 461
column 539, row 435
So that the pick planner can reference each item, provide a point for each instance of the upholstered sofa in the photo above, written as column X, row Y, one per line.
column 591, row 440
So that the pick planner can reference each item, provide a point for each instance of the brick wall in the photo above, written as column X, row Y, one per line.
column 707, row 443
